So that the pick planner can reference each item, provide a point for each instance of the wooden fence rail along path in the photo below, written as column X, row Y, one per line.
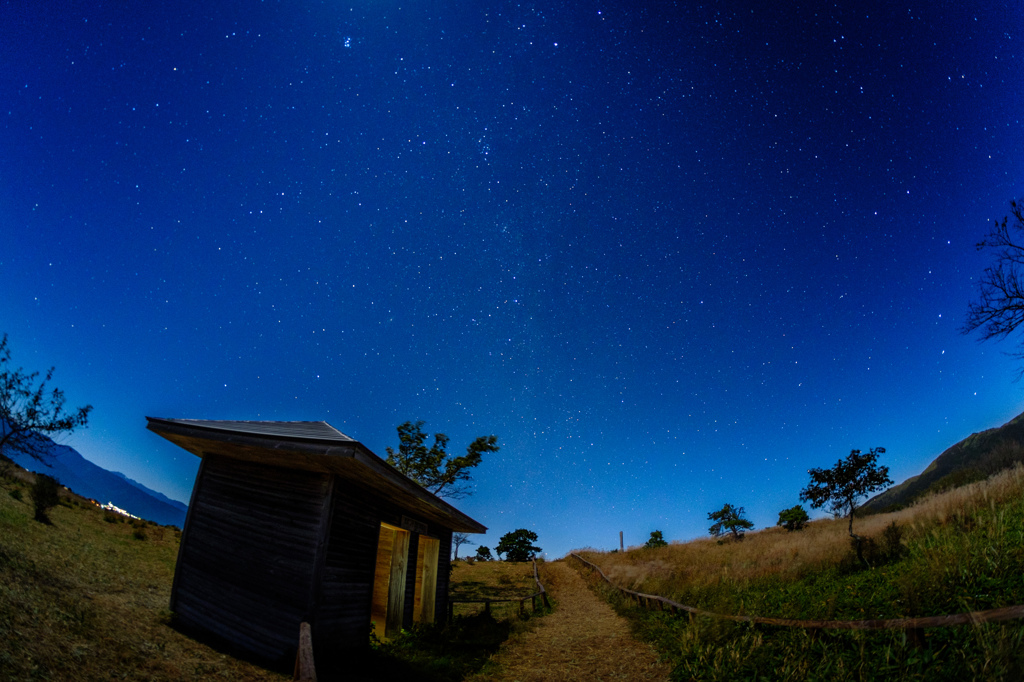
column 913, row 625
column 541, row 592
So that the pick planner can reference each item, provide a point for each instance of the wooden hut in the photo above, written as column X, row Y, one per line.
column 295, row 521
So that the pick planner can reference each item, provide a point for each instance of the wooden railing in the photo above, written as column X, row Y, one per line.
column 913, row 626
column 540, row 593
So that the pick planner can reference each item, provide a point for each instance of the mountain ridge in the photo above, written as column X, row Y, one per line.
column 90, row 480
column 977, row 456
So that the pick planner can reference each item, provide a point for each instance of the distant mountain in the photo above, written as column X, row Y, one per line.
column 975, row 457
column 92, row 481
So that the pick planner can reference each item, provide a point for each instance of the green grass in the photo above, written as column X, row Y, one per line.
column 969, row 559
column 86, row 599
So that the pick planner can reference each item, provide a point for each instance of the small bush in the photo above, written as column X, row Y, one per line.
column 140, row 534
column 16, row 494
column 112, row 517
column 44, row 496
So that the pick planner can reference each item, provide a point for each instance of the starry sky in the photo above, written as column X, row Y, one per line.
column 671, row 254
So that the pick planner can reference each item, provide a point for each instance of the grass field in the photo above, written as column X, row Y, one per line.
column 86, row 599
column 959, row 551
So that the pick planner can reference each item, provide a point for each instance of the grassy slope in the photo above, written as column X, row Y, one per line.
column 85, row 599
column 963, row 550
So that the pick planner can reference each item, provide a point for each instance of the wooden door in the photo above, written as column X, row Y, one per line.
column 426, row 579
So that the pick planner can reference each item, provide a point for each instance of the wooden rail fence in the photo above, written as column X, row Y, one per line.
column 541, row 593
column 913, row 626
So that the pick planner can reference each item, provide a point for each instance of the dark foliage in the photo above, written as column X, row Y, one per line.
column 794, row 518
column 840, row 488
column 433, row 468
column 999, row 310
column 44, row 496
column 518, row 545
column 729, row 519
column 656, row 540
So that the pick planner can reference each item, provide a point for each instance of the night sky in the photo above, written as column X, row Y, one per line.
column 671, row 256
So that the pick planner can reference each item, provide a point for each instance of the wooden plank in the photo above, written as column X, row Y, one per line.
column 429, row 548
column 396, row 590
column 305, row 668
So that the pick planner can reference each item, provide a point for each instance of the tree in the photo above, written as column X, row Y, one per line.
column 44, row 496
column 459, row 539
column 434, row 469
column 794, row 518
column 483, row 553
column 839, row 488
column 656, row 540
column 729, row 519
column 518, row 545
column 1000, row 308
column 29, row 409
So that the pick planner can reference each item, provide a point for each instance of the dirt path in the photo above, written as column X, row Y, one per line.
column 582, row 640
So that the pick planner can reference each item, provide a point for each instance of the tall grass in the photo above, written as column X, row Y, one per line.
column 961, row 550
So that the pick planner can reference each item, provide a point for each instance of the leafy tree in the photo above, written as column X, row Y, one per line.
column 518, row 545
column 729, row 519
column 483, row 553
column 28, row 408
column 44, row 496
column 1000, row 308
column 794, row 518
column 839, row 488
column 459, row 539
column 433, row 468
column 656, row 540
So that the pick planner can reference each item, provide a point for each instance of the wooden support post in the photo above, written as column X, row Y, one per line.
column 622, row 548
column 522, row 607
column 305, row 668
column 451, row 611
column 916, row 637
column 487, row 606
column 533, row 601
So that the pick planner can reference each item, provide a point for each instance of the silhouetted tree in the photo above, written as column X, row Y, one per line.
column 794, row 518
column 840, row 488
column 483, row 553
column 656, row 540
column 433, row 468
column 729, row 519
column 44, row 496
column 518, row 545
column 459, row 539
column 28, row 408
column 999, row 309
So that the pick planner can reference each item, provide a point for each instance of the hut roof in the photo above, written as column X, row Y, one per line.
column 311, row 446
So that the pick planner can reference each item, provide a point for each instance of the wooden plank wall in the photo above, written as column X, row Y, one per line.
column 346, row 594
column 248, row 559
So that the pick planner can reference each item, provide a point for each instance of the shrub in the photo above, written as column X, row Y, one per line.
column 44, row 496
column 656, row 540
column 16, row 494
column 140, row 534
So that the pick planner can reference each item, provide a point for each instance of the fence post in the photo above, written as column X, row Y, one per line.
column 305, row 668
column 487, row 606
column 451, row 611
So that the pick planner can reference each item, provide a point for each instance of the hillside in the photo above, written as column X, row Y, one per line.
column 976, row 457
column 86, row 598
column 89, row 480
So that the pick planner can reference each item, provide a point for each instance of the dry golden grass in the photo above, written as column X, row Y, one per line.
column 582, row 640
column 492, row 580
column 790, row 555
